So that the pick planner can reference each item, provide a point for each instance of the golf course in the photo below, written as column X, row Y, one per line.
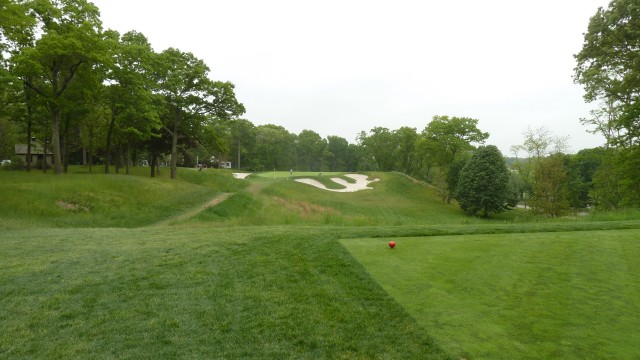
column 216, row 266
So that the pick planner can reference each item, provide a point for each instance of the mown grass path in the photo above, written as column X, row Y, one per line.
column 194, row 211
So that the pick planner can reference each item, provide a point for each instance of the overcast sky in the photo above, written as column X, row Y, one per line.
column 341, row 67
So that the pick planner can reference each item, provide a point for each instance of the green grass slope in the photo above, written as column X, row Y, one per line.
column 393, row 201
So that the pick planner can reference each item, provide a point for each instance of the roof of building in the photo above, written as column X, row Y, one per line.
column 36, row 149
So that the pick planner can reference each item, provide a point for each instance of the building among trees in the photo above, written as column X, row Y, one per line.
column 37, row 154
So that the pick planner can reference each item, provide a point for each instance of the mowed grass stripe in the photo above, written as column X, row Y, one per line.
column 569, row 295
column 236, row 293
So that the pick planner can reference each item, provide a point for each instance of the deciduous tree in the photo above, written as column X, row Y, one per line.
column 70, row 40
column 608, row 65
column 381, row 145
column 15, row 24
column 190, row 95
column 134, row 109
column 17, row 29
column 446, row 138
column 549, row 189
column 581, row 168
column 275, row 148
column 538, row 143
column 243, row 135
column 310, row 149
column 406, row 138
column 337, row 153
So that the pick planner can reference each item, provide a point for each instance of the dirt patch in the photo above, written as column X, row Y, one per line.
column 72, row 206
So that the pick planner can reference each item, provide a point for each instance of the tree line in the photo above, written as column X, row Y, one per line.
column 71, row 84
column 99, row 97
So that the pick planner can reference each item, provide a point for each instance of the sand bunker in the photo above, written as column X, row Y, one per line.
column 241, row 175
column 362, row 183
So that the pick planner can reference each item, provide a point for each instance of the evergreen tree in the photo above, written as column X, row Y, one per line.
column 483, row 184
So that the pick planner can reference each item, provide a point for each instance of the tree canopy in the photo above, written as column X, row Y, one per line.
column 608, row 66
column 70, row 40
column 190, row 95
column 446, row 138
column 550, row 187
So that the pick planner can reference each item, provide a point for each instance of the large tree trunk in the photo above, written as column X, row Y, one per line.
column 128, row 156
column 55, row 139
column 118, row 158
column 55, row 125
column 44, row 156
column 174, row 152
column 154, row 160
column 239, row 146
column 27, row 92
column 107, row 152
column 174, row 143
column 29, row 157
column 65, row 145
column 65, row 155
column 90, row 148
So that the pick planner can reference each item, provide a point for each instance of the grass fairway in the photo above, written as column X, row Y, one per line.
column 568, row 295
column 158, row 293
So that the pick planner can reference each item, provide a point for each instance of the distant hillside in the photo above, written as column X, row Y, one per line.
column 79, row 199
column 394, row 200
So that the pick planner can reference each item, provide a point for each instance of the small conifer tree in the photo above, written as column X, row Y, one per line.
column 483, row 185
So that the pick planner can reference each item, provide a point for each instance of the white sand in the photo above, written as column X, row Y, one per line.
column 241, row 175
column 362, row 183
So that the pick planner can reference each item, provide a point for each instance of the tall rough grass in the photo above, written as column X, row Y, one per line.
column 97, row 200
